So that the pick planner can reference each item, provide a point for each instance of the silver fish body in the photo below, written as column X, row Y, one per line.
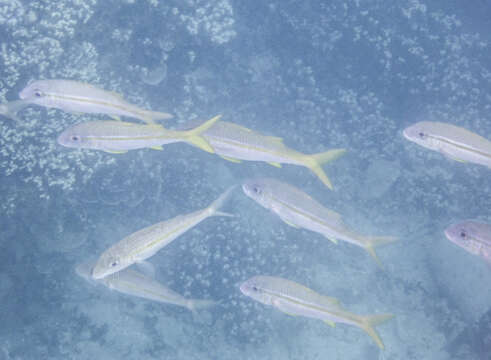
column 80, row 97
column 146, row 242
column 295, row 299
column 473, row 236
column 298, row 209
column 119, row 136
column 134, row 283
column 452, row 141
column 235, row 143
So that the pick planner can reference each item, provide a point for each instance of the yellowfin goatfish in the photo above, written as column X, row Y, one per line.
column 235, row 143
column 144, row 243
column 79, row 97
column 119, row 136
column 473, row 236
column 452, row 141
column 134, row 283
column 295, row 299
column 299, row 210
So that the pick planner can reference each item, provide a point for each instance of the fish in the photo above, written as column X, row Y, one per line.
column 472, row 236
column 132, row 282
column 11, row 108
column 119, row 136
column 145, row 243
column 452, row 141
column 235, row 143
column 300, row 210
column 79, row 97
column 295, row 299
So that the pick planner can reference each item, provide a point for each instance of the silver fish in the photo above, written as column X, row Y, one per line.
column 146, row 242
column 295, row 299
column 473, row 236
column 299, row 210
column 235, row 143
column 134, row 283
column 80, row 97
column 452, row 141
column 119, row 136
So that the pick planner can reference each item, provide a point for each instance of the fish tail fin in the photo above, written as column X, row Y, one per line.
column 368, row 323
column 150, row 117
column 218, row 203
column 314, row 163
column 11, row 108
column 194, row 136
column 193, row 304
column 371, row 242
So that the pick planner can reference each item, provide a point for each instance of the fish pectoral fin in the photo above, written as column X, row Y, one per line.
column 330, row 323
column 455, row 158
column 290, row 223
column 275, row 164
column 114, row 117
column 115, row 151
column 234, row 160
column 158, row 147
column 275, row 139
column 118, row 95
column 277, row 303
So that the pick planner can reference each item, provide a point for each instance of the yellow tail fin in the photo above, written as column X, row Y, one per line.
column 314, row 162
column 368, row 323
column 194, row 136
column 371, row 242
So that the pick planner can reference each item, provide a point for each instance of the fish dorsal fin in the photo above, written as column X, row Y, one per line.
column 275, row 139
column 158, row 147
column 117, row 95
column 334, row 215
column 330, row 323
column 331, row 301
column 290, row 223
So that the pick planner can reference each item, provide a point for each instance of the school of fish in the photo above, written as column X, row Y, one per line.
column 116, row 267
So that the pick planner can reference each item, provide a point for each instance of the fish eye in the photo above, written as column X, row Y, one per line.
column 38, row 93
column 421, row 135
column 463, row 234
column 75, row 138
column 114, row 263
column 254, row 287
column 256, row 189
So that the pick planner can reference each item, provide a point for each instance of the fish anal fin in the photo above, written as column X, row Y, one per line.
column 275, row 164
column 290, row 223
column 115, row 117
column 158, row 147
column 330, row 323
column 115, row 151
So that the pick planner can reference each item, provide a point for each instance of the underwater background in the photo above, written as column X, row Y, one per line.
column 340, row 74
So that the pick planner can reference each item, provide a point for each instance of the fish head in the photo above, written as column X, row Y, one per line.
column 258, row 190
column 463, row 233
column 255, row 288
column 107, row 264
column 421, row 134
column 76, row 137
column 36, row 92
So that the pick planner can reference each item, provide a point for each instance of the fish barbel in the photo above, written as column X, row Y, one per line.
column 235, row 143
column 134, row 283
column 146, row 242
column 119, row 136
column 295, row 299
column 452, row 141
column 79, row 97
column 473, row 236
column 298, row 209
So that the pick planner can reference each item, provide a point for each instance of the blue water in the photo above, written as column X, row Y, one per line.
column 348, row 74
